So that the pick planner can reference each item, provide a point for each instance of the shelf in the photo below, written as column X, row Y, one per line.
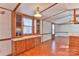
column 38, row 26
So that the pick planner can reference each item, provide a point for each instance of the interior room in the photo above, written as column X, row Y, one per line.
column 39, row 29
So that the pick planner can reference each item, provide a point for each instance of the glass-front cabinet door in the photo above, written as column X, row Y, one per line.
column 18, row 25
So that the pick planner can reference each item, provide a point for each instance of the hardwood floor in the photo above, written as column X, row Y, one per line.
column 46, row 49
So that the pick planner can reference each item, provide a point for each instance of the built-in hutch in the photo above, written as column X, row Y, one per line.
column 23, row 36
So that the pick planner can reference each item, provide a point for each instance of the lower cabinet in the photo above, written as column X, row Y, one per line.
column 74, row 42
column 29, row 43
column 18, row 47
column 37, row 42
column 24, row 45
column 74, row 45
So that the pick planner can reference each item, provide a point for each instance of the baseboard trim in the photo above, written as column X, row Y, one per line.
column 9, row 54
column 5, row 39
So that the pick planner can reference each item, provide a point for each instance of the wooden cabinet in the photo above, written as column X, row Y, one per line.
column 37, row 41
column 22, row 25
column 74, row 45
column 29, row 43
column 74, row 42
column 17, row 22
column 18, row 47
column 24, row 45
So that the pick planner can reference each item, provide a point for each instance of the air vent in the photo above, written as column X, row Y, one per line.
column 2, row 12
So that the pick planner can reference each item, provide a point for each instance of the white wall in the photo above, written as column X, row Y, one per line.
column 5, row 47
column 5, row 32
column 46, row 37
column 46, row 29
column 5, row 25
column 72, row 29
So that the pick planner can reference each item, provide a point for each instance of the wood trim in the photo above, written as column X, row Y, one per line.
column 74, row 15
column 49, row 7
column 22, row 23
column 6, row 9
column 17, row 6
column 5, row 39
column 33, row 27
column 13, row 24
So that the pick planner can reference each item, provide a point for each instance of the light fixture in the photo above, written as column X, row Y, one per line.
column 38, row 15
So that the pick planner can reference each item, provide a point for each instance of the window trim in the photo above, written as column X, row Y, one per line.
column 27, row 25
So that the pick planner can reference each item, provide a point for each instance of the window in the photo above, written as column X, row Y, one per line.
column 27, row 26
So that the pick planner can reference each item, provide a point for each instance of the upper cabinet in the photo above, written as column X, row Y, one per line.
column 18, row 25
column 17, row 28
column 23, row 25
